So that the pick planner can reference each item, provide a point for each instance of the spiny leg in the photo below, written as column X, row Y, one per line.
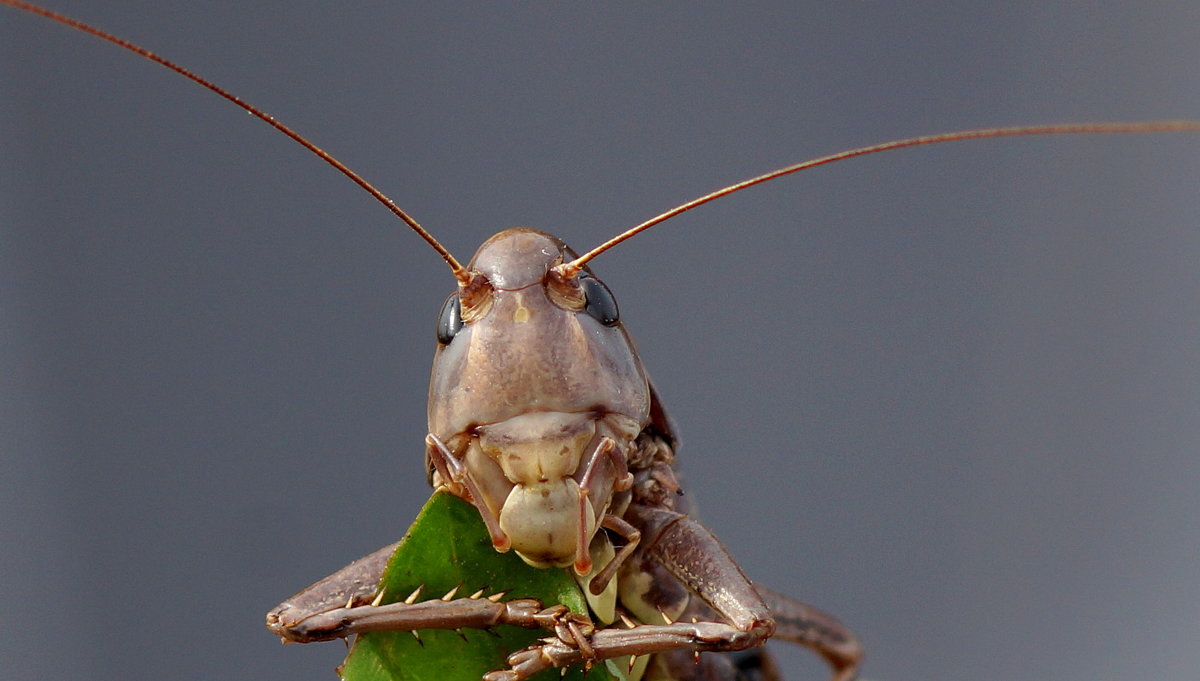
column 646, row 639
column 354, row 585
column 348, row 602
column 458, row 613
column 697, row 560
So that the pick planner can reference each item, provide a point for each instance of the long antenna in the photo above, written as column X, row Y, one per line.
column 577, row 264
column 455, row 267
column 983, row 133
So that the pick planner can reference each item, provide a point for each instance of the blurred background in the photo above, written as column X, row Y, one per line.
column 950, row 394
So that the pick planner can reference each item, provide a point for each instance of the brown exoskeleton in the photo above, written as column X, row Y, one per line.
column 597, row 501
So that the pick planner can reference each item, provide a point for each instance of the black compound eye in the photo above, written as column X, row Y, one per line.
column 449, row 320
column 600, row 305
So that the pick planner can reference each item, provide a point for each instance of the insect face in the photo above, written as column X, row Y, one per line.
column 535, row 378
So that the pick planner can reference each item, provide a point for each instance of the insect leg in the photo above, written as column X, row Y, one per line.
column 697, row 560
column 632, row 537
column 460, row 613
column 644, row 639
column 453, row 472
column 344, row 604
column 589, row 484
column 600, row 484
column 800, row 623
column 355, row 584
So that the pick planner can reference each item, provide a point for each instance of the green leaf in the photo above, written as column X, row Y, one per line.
column 448, row 546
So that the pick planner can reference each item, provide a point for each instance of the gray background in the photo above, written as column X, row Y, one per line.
column 950, row 394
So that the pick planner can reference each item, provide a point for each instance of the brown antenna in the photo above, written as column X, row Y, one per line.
column 1024, row 130
column 455, row 267
column 577, row 264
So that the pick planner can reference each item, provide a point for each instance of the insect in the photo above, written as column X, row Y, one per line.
column 563, row 446
column 628, row 299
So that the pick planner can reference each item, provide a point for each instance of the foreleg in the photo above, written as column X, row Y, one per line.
column 698, row 561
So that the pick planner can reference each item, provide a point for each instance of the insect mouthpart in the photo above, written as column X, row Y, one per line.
column 535, row 404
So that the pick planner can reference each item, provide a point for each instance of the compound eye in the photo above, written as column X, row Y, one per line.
column 449, row 320
column 600, row 303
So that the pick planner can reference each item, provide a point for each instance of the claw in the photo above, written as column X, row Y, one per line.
column 582, row 643
column 523, row 664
